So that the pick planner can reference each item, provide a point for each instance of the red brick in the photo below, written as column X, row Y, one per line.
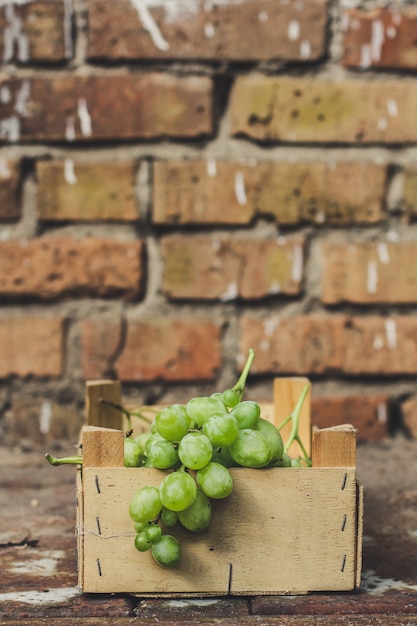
column 31, row 346
column 381, row 37
column 381, row 272
column 10, row 208
column 38, row 30
column 53, row 266
column 369, row 414
column 225, row 192
column 225, row 268
column 320, row 110
column 210, row 31
column 171, row 349
column 77, row 191
column 318, row 344
column 89, row 108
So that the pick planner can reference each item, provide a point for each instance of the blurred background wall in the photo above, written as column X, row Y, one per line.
column 181, row 180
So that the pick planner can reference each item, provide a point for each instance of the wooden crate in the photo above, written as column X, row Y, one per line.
column 282, row 530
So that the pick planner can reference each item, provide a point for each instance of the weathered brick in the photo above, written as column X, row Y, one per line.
column 38, row 30
column 225, row 268
column 52, row 266
column 171, row 349
column 380, row 37
column 319, row 110
column 42, row 422
column 73, row 190
column 31, row 346
column 10, row 208
column 318, row 344
column 409, row 198
column 224, row 192
column 208, row 30
column 369, row 272
column 89, row 108
column 409, row 413
column 369, row 414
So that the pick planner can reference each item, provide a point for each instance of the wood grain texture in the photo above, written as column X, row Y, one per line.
column 334, row 447
column 102, row 447
column 99, row 413
column 280, row 531
column 286, row 394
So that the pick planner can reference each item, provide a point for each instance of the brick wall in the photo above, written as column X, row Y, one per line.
column 181, row 180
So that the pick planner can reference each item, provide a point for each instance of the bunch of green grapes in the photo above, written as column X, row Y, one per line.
column 197, row 443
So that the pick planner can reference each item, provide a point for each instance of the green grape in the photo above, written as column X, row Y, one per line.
column 222, row 456
column 219, row 396
column 201, row 408
column 153, row 533
column 142, row 543
column 151, row 440
column 172, row 422
column 251, row 449
column 162, row 454
column 166, row 551
column 246, row 413
column 273, row 437
column 178, row 491
column 140, row 526
column 215, row 481
column 142, row 439
column 222, row 430
column 284, row 461
column 230, row 398
column 145, row 504
column 195, row 450
column 198, row 516
column 153, row 427
column 168, row 518
column 132, row 453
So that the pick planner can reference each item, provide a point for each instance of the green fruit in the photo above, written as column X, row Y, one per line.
column 273, row 437
column 166, row 551
column 198, row 516
column 251, row 449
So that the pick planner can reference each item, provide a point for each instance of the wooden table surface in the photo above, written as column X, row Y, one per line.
column 38, row 556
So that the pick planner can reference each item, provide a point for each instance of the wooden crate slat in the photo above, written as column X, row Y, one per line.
column 280, row 531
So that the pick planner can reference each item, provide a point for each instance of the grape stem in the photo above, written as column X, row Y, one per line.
column 126, row 412
column 67, row 460
column 295, row 419
column 239, row 387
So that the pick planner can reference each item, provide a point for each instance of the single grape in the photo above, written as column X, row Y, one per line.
column 195, row 450
column 198, row 516
column 166, row 551
column 201, row 408
column 132, row 453
column 162, row 454
column 153, row 533
column 172, row 422
column 272, row 435
column 178, row 491
column 140, row 526
column 153, row 439
column 142, row 439
column 215, row 480
column 145, row 504
column 219, row 396
column 222, row 430
column 230, row 398
column 168, row 518
column 251, row 449
column 246, row 413
column 142, row 543
column 284, row 461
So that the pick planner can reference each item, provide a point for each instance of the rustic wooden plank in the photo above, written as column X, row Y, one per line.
column 303, row 517
column 99, row 413
column 102, row 447
column 334, row 447
column 286, row 392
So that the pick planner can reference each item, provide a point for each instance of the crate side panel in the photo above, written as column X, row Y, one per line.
column 304, row 518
